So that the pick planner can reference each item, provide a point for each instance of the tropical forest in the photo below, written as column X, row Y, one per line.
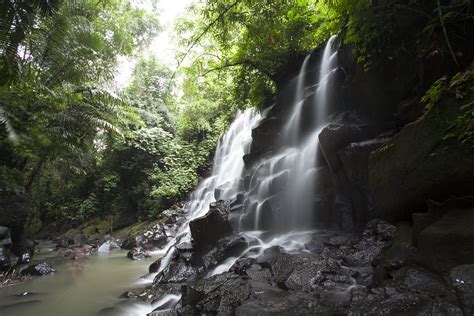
column 236, row 157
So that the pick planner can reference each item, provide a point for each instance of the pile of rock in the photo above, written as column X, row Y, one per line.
column 367, row 273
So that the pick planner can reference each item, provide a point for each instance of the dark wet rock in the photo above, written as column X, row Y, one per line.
column 221, row 293
column 441, row 308
column 408, row 111
column 257, row 273
column 5, row 260
column 184, row 247
column 449, row 241
column 335, row 137
column 280, row 263
column 380, row 230
column 241, row 265
column 129, row 295
column 420, row 222
column 39, row 269
column 158, row 291
column 153, row 268
column 23, row 251
column 324, row 197
column 263, row 137
column 419, row 164
column 207, row 230
column 462, row 278
column 237, row 201
column 5, row 237
column 312, row 271
column 64, row 243
column 130, row 243
column 227, row 247
column 160, row 312
column 387, row 301
column 138, row 253
column 159, row 240
column 417, row 280
column 355, row 162
column 177, row 271
column 376, row 238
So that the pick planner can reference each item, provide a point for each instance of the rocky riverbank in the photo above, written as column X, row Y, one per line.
column 395, row 178
column 376, row 271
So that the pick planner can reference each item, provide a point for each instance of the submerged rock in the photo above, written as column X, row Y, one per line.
column 39, row 269
column 138, row 253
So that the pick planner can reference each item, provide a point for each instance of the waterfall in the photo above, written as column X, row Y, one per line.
column 226, row 173
column 327, row 69
column 283, row 186
column 292, row 127
column 279, row 203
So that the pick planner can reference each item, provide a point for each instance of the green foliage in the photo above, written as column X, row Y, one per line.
column 434, row 93
column 459, row 88
column 56, row 114
column 251, row 42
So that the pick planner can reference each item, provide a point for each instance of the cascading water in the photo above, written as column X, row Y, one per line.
column 279, row 204
column 291, row 172
column 226, row 174
column 328, row 67
column 282, row 187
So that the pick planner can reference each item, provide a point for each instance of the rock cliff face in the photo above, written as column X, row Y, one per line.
column 386, row 154
column 393, row 178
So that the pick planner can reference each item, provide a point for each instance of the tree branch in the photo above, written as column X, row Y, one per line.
column 208, row 27
column 240, row 63
column 446, row 34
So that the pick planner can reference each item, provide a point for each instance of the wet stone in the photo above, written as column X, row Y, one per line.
column 462, row 278
column 39, row 269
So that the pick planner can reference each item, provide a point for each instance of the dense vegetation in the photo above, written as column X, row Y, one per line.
column 74, row 147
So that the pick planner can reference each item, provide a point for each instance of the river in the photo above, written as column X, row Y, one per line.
column 79, row 287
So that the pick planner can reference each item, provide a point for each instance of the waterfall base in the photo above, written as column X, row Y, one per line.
column 310, row 272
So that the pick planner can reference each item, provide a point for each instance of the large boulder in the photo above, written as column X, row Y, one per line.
column 355, row 161
column 207, row 230
column 423, row 161
column 449, row 241
column 333, row 139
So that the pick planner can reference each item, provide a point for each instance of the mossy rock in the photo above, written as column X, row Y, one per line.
column 421, row 162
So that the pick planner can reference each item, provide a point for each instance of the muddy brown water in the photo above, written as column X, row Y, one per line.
column 79, row 287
